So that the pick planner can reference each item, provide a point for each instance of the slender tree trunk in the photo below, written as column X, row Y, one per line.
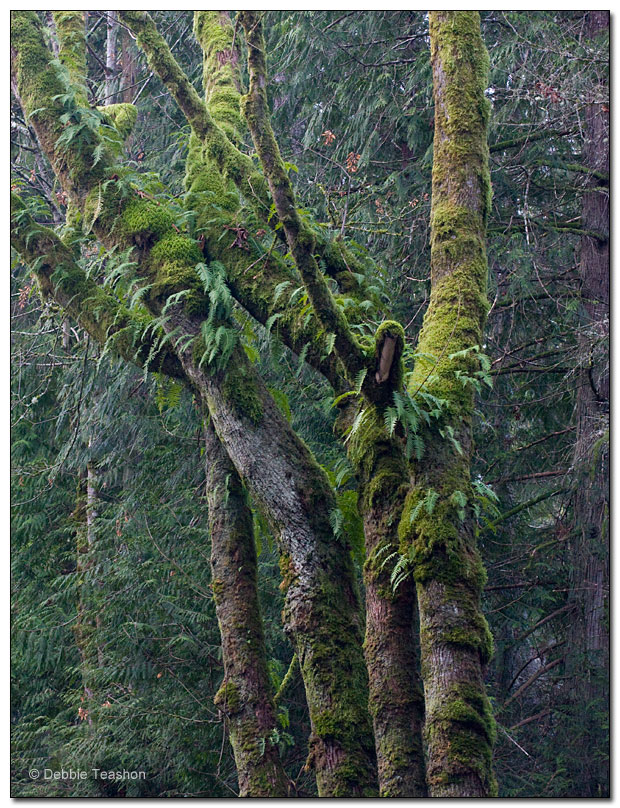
column 110, row 58
column 84, row 626
column 589, row 641
column 245, row 695
column 438, row 519
column 391, row 647
column 396, row 699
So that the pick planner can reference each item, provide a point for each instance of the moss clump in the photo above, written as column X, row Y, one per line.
column 122, row 117
column 175, row 248
column 144, row 217
column 217, row 587
column 287, row 571
column 227, row 697
column 241, row 391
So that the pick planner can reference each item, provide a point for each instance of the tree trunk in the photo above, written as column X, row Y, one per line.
column 438, row 522
column 110, row 58
column 391, row 648
column 589, row 653
column 245, row 694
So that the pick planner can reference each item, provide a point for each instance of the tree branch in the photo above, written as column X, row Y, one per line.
column 300, row 238
column 96, row 310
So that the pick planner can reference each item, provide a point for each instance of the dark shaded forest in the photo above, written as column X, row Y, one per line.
column 310, row 404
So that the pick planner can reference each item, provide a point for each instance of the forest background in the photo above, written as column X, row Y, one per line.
column 118, row 661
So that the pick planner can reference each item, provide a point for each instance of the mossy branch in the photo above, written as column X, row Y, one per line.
column 96, row 310
column 71, row 30
column 299, row 236
column 525, row 140
column 232, row 163
column 210, row 128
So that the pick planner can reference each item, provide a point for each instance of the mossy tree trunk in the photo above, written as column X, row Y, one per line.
column 438, row 525
column 391, row 644
column 245, row 695
column 322, row 610
column 395, row 697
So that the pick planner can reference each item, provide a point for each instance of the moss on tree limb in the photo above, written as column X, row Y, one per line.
column 299, row 236
column 455, row 639
column 96, row 310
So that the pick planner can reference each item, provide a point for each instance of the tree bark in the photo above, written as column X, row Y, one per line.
column 438, row 524
column 110, row 58
column 589, row 635
column 391, row 644
column 245, row 694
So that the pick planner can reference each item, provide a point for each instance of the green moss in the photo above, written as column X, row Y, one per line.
column 175, row 247
column 215, row 33
column 71, row 30
column 217, row 587
column 227, row 697
column 377, row 459
column 38, row 81
column 122, row 116
column 240, row 390
column 463, row 729
column 144, row 217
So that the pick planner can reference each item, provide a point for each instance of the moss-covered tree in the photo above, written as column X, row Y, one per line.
column 241, row 237
column 438, row 527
